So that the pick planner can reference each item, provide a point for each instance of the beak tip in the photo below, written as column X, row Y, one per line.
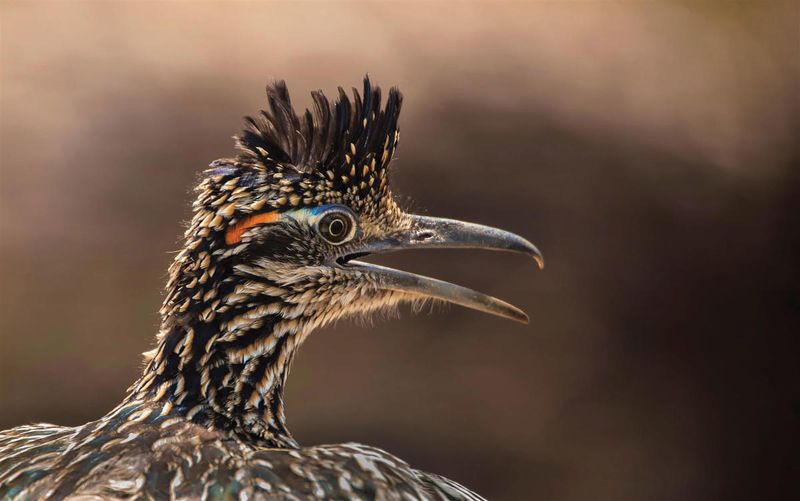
column 539, row 261
column 520, row 316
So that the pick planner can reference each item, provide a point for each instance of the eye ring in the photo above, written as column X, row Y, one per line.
column 336, row 226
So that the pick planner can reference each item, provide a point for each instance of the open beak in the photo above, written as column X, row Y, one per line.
column 429, row 232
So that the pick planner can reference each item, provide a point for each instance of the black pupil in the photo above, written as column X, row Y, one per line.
column 336, row 228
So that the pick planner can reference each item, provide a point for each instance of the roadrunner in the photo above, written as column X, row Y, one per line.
column 270, row 255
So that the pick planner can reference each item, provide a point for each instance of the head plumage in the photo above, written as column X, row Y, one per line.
column 335, row 152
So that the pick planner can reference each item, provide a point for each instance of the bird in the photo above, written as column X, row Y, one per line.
column 271, row 253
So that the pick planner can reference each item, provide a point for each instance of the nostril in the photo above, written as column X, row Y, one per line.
column 425, row 235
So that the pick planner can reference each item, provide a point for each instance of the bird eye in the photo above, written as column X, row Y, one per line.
column 336, row 227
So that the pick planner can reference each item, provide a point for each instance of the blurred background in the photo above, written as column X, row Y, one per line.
column 649, row 149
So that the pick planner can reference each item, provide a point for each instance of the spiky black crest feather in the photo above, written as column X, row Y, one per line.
column 330, row 137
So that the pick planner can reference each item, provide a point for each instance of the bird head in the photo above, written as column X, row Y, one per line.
column 273, row 251
column 305, row 198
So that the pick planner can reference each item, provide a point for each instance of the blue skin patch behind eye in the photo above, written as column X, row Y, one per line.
column 315, row 211
column 311, row 211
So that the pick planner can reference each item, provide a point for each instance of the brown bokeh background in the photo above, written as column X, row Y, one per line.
column 650, row 150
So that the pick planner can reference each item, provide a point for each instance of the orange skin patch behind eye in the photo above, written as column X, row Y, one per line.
column 234, row 234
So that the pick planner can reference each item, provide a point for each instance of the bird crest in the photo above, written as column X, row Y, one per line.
column 335, row 152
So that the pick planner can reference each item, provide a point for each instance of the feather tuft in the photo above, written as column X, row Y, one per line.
column 329, row 136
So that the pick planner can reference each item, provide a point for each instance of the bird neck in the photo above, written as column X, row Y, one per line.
column 223, row 356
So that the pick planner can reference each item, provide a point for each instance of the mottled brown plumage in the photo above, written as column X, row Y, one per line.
column 268, row 257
